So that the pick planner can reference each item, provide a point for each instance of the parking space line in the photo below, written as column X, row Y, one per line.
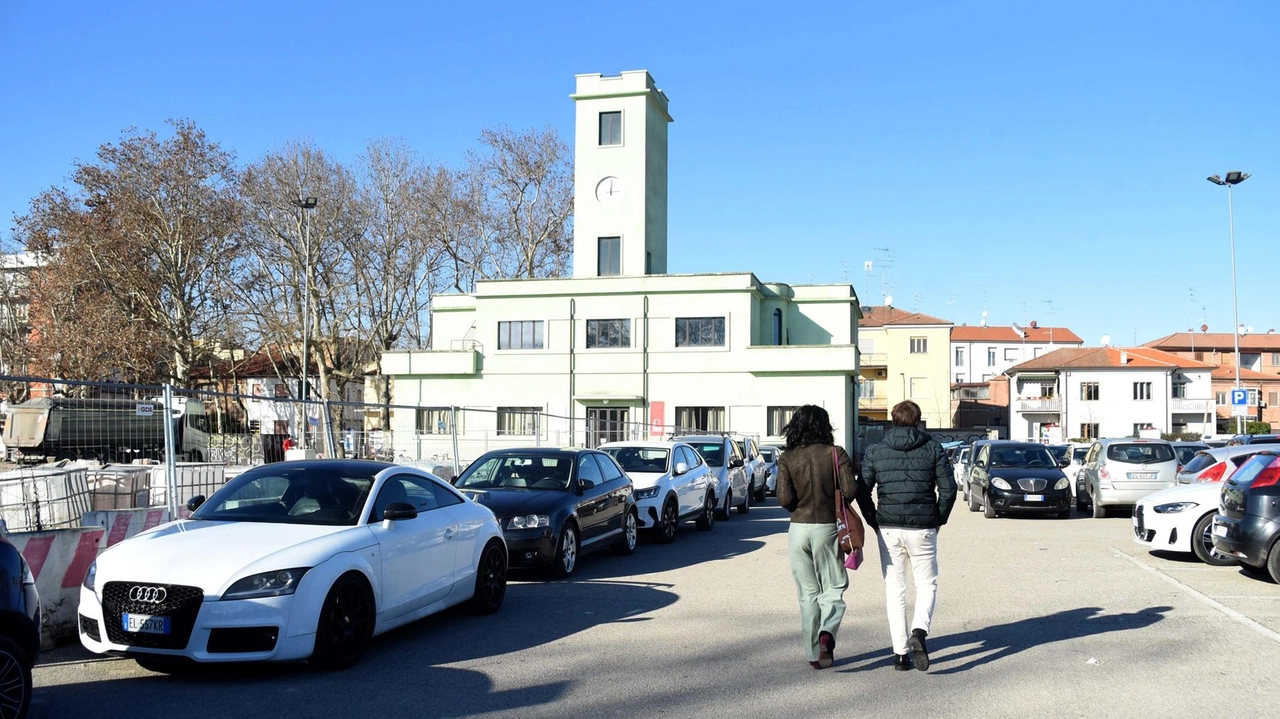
column 1204, row 598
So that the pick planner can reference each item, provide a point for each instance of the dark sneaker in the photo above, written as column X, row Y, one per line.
column 826, row 649
column 919, row 653
column 902, row 662
column 815, row 665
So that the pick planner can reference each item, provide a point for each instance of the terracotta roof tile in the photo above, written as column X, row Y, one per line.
column 880, row 315
column 1228, row 372
column 1104, row 357
column 1221, row 341
column 1059, row 335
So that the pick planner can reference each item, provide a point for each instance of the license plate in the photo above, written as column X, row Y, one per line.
column 1142, row 475
column 1035, row 497
column 1135, row 520
column 145, row 624
column 1219, row 530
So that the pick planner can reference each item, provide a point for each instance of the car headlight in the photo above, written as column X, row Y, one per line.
column 529, row 521
column 1173, row 507
column 999, row 483
column 90, row 576
column 279, row 583
column 1062, row 483
column 646, row 493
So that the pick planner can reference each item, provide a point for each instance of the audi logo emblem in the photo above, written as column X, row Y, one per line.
column 149, row 595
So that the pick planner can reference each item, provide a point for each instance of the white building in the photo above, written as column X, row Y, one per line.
column 622, row 349
column 1091, row 392
column 981, row 353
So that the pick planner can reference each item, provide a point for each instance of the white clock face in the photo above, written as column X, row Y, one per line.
column 609, row 191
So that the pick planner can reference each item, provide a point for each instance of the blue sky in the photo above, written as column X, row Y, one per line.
column 1009, row 153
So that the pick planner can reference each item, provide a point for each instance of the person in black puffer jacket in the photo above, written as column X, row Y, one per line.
column 915, row 491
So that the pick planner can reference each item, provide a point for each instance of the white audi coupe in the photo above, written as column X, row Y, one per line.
column 294, row 560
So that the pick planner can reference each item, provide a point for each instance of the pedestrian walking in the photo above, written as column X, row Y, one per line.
column 806, row 488
column 914, row 493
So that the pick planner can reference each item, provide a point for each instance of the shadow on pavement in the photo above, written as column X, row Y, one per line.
column 996, row 642
column 401, row 675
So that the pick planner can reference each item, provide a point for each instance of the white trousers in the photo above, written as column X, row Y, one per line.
column 898, row 547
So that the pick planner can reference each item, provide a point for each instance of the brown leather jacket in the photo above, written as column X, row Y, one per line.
column 806, row 487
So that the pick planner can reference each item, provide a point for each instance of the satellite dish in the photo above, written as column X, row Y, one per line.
column 1204, row 328
column 984, row 313
column 1106, row 340
column 888, row 300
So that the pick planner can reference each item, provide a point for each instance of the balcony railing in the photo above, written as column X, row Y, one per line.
column 873, row 403
column 1182, row 405
column 874, row 359
column 1050, row 405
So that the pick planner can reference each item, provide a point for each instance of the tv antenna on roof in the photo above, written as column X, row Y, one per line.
column 1051, row 312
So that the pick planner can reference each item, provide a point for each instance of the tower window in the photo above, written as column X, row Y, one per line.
column 609, row 256
column 611, row 128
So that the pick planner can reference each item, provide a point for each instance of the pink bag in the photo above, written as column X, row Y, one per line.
column 854, row 560
column 850, row 534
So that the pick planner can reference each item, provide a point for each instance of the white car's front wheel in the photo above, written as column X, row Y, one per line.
column 346, row 623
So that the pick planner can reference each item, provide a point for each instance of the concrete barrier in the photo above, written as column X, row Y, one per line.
column 59, row 559
column 121, row 524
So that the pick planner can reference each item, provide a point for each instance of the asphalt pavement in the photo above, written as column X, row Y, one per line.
column 1035, row 618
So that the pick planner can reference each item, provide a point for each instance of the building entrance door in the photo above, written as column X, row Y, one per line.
column 606, row 424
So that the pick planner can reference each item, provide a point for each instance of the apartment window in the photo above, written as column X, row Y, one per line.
column 1089, row 431
column 699, row 332
column 867, row 346
column 1273, row 399
column 778, row 419
column 1220, row 397
column 959, row 378
column 1139, row 426
column 434, row 420
column 609, row 256
column 991, row 357
column 919, row 387
column 518, row 420
column 281, row 389
column 608, row 333
column 971, row 393
column 611, row 128
column 1036, row 351
column 1010, row 354
column 523, row 335
column 1089, row 391
column 1142, row 390
column 1252, row 399
column 919, row 345
column 700, row 419
column 959, row 357
column 868, row 388
column 1179, row 390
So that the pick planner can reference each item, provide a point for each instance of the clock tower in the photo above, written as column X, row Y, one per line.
column 620, row 176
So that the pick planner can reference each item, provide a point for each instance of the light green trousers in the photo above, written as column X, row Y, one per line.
column 820, row 581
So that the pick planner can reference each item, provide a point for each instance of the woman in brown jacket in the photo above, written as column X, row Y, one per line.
column 807, row 489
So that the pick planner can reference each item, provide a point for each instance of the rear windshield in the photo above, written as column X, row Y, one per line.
column 1077, row 454
column 1250, row 470
column 712, row 452
column 1058, row 451
column 1140, row 453
column 1199, row 463
column 1264, row 439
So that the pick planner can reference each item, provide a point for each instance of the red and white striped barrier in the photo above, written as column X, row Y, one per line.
column 122, row 524
column 59, row 559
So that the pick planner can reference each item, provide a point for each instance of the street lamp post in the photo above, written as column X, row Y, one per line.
column 306, row 205
column 1234, row 177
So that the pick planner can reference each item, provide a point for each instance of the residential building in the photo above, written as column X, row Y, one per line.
column 981, row 404
column 904, row 356
column 1259, row 369
column 1091, row 392
column 622, row 349
column 981, row 353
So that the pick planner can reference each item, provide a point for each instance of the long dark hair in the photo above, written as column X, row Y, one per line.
column 809, row 425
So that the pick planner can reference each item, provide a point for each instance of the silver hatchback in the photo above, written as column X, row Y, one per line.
column 1119, row 472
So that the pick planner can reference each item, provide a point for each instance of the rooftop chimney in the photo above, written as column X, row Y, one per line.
column 1033, row 324
column 1124, row 357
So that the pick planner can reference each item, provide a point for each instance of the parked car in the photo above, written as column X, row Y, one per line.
column 555, row 505
column 963, row 483
column 1247, row 525
column 19, row 632
column 1076, row 454
column 671, row 484
column 960, row 465
column 755, row 466
column 727, row 464
column 1180, row 519
column 1185, row 451
column 277, row 565
column 1018, row 477
column 770, row 455
column 1215, row 465
column 1254, row 439
column 1119, row 472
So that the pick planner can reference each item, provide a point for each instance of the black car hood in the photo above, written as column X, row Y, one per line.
column 1049, row 473
column 511, row 502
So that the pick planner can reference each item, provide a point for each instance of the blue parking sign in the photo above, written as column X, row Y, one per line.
column 1239, row 397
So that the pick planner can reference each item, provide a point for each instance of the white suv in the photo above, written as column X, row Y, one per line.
column 733, row 484
column 671, row 484
column 757, row 468
column 1119, row 472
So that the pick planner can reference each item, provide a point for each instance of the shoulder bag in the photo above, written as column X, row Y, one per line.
column 850, row 534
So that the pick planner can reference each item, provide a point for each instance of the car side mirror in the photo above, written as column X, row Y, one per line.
column 194, row 503
column 399, row 510
column 1064, row 462
column 681, row 468
column 736, row 462
column 585, row 484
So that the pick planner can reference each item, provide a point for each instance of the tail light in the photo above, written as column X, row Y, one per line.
column 1267, row 477
column 1214, row 473
column 1103, row 473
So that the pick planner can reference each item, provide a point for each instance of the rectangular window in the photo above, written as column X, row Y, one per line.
column 919, row 387
column 1035, row 352
column 611, row 128
column 1142, row 390
column 991, row 357
column 778, row 418
column 608, row 333
column 699, row 332
column 1273, row 399
column 1275, row 359
column 609, row 257
column 1010, row 354
column 518, row 420
column 700, row 419
column 919, row 345
column 434, row 420
column 1089, row 391
column 959, row 357
column 523, row 335
column 1252, row 399
column 1179, row 390
column 868, row 388
column 1220, row 397
column 867, row 346
column 1138, row 427
column 1089, row 431
column 959, row 378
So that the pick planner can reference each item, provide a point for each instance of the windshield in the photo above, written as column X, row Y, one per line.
column 1058, row 450
column 1140, row 453
column 713, row 452
column 1029, row 457
column 1077, row 455
column 290, row 495
column 767, row 454
column 1186, row 454
column 640, row 459
column 518, row 472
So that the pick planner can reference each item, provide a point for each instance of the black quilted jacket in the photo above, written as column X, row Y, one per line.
column 912, row 480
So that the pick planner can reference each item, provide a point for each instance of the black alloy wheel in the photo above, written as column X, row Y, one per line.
column 491, row 579
column 667, row 523
column 15, row 680
column 346, row 623
column 707, row 520
column 1202, row 543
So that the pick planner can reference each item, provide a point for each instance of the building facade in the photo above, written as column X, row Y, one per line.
column 904, row 356
column 1259, row 369
column 979, row 354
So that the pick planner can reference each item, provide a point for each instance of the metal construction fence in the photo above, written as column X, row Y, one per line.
column 70, row 447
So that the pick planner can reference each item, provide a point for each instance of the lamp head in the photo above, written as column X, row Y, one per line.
column 307, row 204
column 1215, row 180
column 1235, row 177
